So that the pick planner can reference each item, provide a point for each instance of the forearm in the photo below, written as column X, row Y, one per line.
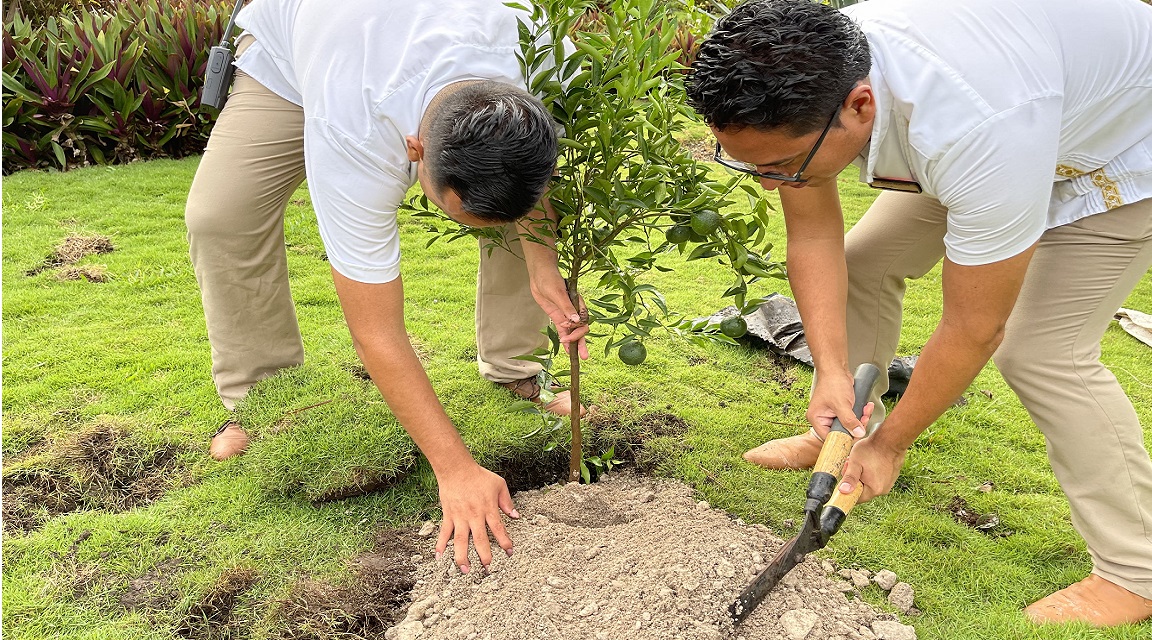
column 818, row 274
column 977, row 303
column 400, row 377
column 948, row 364
column 819, row 282
column 538, row 241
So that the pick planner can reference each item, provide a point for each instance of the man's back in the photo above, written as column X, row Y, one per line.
column 994, row 102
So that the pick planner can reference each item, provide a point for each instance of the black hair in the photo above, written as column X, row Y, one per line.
column 777, row 63
column 495, row 146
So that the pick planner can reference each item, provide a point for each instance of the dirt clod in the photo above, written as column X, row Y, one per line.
column 91, row 273
column 628, row 557
column 986, row 523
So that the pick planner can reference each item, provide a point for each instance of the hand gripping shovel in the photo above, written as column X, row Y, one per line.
column 820, row 521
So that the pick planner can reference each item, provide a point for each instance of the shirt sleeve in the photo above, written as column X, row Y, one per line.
column 355, row 194
column 996, row 183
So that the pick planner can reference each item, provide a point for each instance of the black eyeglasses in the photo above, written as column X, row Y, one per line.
column 750, row 169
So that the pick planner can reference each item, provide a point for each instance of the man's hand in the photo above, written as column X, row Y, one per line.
column 875, row 464
column 832, row 398
column 572, row 325
column 472, row 501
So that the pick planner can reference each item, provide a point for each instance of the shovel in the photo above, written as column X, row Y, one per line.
column 824, row 509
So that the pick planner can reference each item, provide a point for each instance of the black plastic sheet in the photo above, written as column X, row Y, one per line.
column 775, row 325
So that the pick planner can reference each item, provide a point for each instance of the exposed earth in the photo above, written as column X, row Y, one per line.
column 638, row 558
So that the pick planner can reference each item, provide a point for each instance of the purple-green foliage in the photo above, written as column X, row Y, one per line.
column 108, row 85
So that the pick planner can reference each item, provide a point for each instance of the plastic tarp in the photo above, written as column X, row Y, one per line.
column 775, row 325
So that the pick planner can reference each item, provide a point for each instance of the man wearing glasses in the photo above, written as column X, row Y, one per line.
column 1013, row 140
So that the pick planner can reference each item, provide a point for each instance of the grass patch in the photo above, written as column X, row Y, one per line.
column 129, row 359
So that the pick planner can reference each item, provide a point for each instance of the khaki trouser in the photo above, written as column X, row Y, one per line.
column 1080, row 274
column 235, row 216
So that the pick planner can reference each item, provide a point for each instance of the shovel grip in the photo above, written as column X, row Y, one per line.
column 865, row 378
column 845, row 501
column 838, row 444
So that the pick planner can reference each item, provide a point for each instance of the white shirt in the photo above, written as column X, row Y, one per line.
column 364, row 71
column 1018, row 116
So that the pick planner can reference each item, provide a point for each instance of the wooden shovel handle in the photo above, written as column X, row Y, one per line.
column 845, row 501
column 835, row 451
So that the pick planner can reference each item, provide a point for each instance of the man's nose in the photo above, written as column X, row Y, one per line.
column 770, row 185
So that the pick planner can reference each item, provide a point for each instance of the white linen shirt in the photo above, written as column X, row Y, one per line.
column 364, row 71
column 1018, row 116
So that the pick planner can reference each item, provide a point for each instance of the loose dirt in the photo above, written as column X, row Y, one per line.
column 629, row 557
column 102, row 467
column 374, row 600
column 70, row 250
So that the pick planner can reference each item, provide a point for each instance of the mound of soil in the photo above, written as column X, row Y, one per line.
column 629, row 557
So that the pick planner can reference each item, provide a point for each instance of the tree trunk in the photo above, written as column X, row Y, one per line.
column 577, row 454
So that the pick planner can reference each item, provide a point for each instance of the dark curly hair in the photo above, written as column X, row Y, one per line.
column 777, row 63
column 495, row 146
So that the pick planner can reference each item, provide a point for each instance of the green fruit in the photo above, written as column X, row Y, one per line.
column 633, row 353
column 734, row 327
column 679, row 234
column 705, row 222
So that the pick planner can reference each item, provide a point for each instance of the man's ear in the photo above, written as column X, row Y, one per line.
column 862, row 104
column 415, row 148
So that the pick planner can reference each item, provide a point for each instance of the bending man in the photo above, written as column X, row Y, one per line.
column 365, row 97
column 1015, row 142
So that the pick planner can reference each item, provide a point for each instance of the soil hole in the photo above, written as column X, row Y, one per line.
column 211, row 617
column 372, row 601
column 102, row 467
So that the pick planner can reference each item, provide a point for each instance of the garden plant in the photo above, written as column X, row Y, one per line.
column 626, row 191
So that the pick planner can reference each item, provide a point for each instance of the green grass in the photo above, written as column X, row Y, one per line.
column 132, row 352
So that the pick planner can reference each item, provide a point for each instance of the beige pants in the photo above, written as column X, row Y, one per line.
column 1080, row 274
column 235, row 216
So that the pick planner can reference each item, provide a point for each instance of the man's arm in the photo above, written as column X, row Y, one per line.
column 538, row 240
column 472, row 497
column 819, row 279
column 977, row 303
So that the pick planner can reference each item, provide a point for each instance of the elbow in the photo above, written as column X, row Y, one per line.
column 982, row 336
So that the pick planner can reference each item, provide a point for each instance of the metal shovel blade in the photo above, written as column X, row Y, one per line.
column 790, row 555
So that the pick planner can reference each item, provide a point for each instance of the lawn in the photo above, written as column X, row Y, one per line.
column 117, row 525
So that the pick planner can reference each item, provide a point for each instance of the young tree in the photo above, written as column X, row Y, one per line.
column 626, row 190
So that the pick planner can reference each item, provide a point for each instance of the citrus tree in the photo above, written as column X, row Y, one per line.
column 626, row 191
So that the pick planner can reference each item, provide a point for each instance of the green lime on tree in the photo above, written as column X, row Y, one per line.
column 678, row 234
column 705, row 222
column 734, row 327
column 633, row 353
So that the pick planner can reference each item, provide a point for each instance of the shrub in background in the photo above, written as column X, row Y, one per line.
column 109, row 84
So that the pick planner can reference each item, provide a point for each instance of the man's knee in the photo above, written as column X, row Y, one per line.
column 216, row 212
column 1017, row 357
